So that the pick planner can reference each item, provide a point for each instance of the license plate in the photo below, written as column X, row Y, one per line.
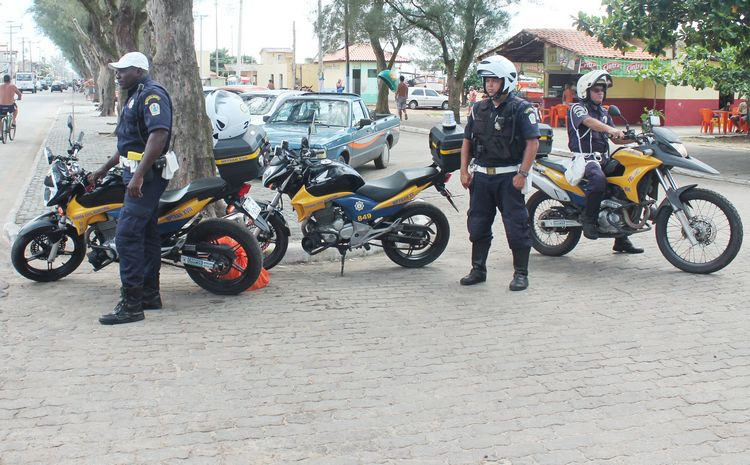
column 200, row 263
column 252, row 207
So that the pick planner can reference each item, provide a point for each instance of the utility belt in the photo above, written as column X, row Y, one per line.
column 168, row 161
column 159, row 163
column 492, row 170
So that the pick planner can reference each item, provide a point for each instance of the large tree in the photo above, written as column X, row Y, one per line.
column 372, row 21
column 459, row 27
column 716, row 34
column 176, row 67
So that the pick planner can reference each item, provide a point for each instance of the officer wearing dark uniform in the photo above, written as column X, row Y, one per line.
column 502, row 138
column 590, row 128
column 143, row 136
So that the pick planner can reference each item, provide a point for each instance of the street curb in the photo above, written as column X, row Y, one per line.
column 10, row 228
column 415, row 130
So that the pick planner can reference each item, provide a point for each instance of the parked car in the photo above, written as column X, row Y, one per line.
column 56, row 87
column 264, row 102
column 240, row 88
column 208, row 89
column 421, row 97
column 341, row 125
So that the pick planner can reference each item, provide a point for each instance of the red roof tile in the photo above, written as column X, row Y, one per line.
column 583, row 44
column 360, row 52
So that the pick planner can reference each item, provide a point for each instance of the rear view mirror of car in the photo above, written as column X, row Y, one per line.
column 266, row 118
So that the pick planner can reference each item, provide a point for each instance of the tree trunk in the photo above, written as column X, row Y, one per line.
column 455, row 87
column 175, row 66
column 105, row 82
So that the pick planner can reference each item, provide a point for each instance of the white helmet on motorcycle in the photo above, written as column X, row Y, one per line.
column 499, row 67
column 590, row 79
column 228, row 113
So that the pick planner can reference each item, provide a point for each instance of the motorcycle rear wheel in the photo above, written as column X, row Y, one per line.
column 420, row 221
column 35, row 245
column 554, row 242
column 222, row 282
column 716, row 225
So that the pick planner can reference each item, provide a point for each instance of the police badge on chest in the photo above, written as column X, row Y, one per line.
column 499, row 120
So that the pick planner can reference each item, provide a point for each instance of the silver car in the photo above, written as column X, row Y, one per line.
column 264, row 102
column 424, row 97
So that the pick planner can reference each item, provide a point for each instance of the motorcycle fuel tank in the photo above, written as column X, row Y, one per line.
column 328, row 177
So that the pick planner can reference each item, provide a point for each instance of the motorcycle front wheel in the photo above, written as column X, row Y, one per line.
column 422, row 237
column 273, row 244
column 234, row 275
column 715, row 224
column 554, row 242
column 31, row 251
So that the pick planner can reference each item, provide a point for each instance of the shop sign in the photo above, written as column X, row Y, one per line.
column 613, row 66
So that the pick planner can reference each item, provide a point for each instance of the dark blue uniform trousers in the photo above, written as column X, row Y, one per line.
column 596, row 181
column 491, row 192
column 137, row 238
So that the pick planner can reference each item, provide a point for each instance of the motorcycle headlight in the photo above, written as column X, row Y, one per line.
column 269, row 172
column 680, row 148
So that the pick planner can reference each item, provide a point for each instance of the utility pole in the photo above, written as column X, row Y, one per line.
column 11, row 26
column 294, row 55
column 320, row 48
column 23, row 53
column 200, row 44
column 216, row 17
column 346, row 41
column 239, row 48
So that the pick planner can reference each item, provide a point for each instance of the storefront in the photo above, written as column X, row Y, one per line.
column 561, row 56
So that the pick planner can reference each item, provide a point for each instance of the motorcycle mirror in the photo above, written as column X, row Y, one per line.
column 266, row 118
column 285, row 145
column 614, row 111
column 48, row 154
column 305, row 144
column 70, row 122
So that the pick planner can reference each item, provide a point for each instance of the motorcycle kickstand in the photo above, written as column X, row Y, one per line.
column 342, row 251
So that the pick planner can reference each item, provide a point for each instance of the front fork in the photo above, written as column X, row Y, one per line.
column 670, row 187
column 61, row 224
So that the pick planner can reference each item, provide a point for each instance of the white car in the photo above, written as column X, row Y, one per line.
column 264, row 102
column 420, row 97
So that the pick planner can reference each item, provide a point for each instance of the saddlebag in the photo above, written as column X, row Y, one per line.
column 545, row 140
column 239, row 159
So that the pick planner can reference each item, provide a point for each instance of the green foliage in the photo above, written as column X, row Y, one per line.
column 55, row 19
column 472, row 79
column 225, row 58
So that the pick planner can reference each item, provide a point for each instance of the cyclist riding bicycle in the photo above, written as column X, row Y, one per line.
column 8, row 92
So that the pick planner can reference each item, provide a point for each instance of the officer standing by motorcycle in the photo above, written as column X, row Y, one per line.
column 589, row 129
column 143, row 136
column 502, row 138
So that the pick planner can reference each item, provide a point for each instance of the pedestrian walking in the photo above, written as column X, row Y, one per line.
column 339, row 87
column 143, row 137
column 501, row 139
column 402, row 91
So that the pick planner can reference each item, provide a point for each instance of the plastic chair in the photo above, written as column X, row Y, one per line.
column 545, row 114
column 561, row 112
column 708, row 120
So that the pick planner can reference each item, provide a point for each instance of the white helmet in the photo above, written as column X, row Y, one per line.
column 500, row 67
column 229, row 115
column 590, row 79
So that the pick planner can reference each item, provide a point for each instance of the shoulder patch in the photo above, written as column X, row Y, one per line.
column 154, row 109
column 532, row 118
column 580, row 110
column 528, row 109
column 151, row 97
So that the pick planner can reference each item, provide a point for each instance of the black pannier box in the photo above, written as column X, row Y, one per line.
column 445, row 146
column 545, row 141
column 239, row 159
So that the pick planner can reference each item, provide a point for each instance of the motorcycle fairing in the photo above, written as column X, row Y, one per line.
column 576, row 193
column 185, row 210
column 363, row 209
column 305, row 204
column 637, row 165
column 405, row 196
column 82, row 217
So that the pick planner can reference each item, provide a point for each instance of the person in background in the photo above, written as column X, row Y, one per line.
column 402, row 91
column 270, row 85
column 8, row 94
column 568, row 95
column 741, row 117
column 340, row 87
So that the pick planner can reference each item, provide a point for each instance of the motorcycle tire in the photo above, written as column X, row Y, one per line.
column 277, row 238
column 38, row 243
column 405, row 257
column 541, row 238
column 212, row 231
column 700, row 203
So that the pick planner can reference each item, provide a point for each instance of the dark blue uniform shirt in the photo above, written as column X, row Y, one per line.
column 582, row 138
column 527, row 126
column 147, row 109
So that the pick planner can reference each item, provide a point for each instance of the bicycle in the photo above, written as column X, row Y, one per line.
column 6, row 128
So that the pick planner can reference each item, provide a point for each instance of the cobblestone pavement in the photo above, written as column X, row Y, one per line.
column 606, row 359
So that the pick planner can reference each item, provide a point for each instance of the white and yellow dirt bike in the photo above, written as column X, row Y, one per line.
column 697, row 230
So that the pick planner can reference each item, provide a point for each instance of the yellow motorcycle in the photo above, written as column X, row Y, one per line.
column 697, row 230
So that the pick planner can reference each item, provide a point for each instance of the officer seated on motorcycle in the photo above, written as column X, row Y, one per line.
column 590, row 127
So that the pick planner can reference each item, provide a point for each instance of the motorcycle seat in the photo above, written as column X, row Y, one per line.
column 551, row 164
column 199, row 189
column 385, row 188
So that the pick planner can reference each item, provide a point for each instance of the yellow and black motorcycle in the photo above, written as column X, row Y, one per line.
column 220, row 255
column 697, row 230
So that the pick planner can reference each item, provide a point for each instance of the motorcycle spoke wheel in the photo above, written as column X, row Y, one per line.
column 716, row 226
column 30, row 253
column 548, row 240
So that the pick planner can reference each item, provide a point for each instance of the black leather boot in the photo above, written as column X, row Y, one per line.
column 478, row 273
column 151, row 296
column 128, row 309
column 591, row 215
column 521, row 270
column 623, row 244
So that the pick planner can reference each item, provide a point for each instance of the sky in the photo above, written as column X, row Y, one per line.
column 269, row 23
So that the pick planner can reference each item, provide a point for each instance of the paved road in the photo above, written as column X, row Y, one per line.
column 36, row 113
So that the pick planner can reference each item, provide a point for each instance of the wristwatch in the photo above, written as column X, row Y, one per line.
column 523, row 173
